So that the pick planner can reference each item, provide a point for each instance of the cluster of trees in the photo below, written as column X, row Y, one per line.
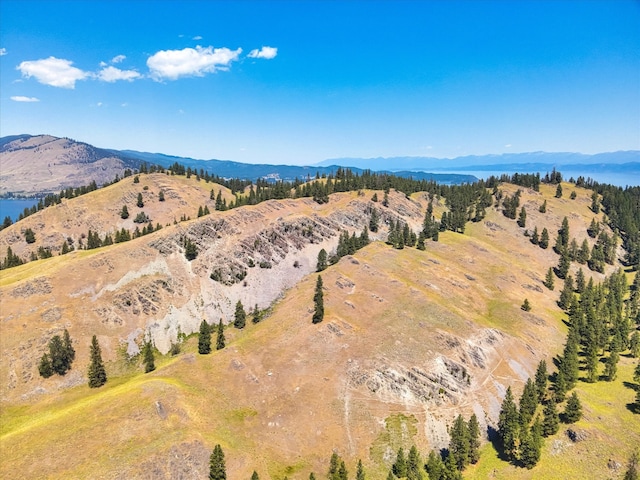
column 204, row 337
column 60, row 356
column 400, row 235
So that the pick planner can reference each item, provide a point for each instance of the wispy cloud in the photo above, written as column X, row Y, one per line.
column 173, row 64
column 53, row 71
column 265, row 52
column 112, row 74
column 20, row 98
column 197, row 37
column 118, row 59
column 3, row 51
column 508, row 145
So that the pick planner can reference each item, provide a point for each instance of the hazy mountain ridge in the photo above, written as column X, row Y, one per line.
column 531, row 161
column 41, row 164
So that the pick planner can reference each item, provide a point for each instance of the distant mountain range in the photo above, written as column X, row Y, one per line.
column 622, row 161
column 34, row 165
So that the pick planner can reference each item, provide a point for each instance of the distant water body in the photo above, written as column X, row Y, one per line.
column 14, row 207
column 618, row 179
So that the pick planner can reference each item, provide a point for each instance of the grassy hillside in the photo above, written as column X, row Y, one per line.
column 410, row 339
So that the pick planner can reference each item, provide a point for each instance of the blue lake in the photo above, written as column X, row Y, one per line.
column 14, row 207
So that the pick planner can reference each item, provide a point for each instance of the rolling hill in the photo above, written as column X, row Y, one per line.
column 410, row 339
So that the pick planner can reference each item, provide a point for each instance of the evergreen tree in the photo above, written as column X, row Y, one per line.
column 360, row 471
column 549, row 279
column 240, row 318
column 58, row 355
column 414, row 466
column 544, row 239
column 522, row 218
column 581, row 282
column 374, row 220
column 322, row 260
column 44, row 367
column 254, row 476
column 541, row 379
column 543, row 207
column 532, row 446
column 124, row 213
column 161, row 196
column 573, row 409
column 611, row 366
column 551, row 419
column 634, row 344
column 584, row 252
column 473, row 426
column 217, row 466
column 564, row 263
column 566, row 295
column 535, row 236
column 559, row 191
column 204, row 338
column 435, row 467
column 96, row 373
column 526, row 306
column 148, row 357
column 570, row 362
column 528, row 402
column 220, row 340
column 318, row 300
column 69, row 352
column 560, row 386
column 633, row 467
column 400, row 466
column 459, row 443
column 508, row 425
column 139, row 201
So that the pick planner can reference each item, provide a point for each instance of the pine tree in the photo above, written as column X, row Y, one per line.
column 124, row 213
column 573, row 409
column 374, row 220
column 204, row 338
column 360, row 471
column 569, row 363
column 140, row 202
column 58, row 355
column 528, row 402
column 148, row 357
column 559, row 191
column 254, row 476
column 322, row 260
column 633, row 467
column 560, row 386
column 318, row 300
column 549, row 279
column 220, row 340
column 544, row 239
column 459, row 443
column 535, row 236
column 532, row 446
column 611, row 366
column 44, row 367
column 414, row 464
column 240, row 318
column 400, row 466
column 541, row 379
column 217, row 466
column 474, row 439
column 526, row 306
column 522, row 218
column 96, row 373
column 435, row 466
column 543, row 207
column 551, row 419
column 508, row 425
column 566, row 295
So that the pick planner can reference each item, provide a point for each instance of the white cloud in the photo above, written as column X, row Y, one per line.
column 20, row 98
column 118, row 59
column 99, row 104
column 173, row 64
column 103, row 64
column 3, row 51
column 508, row 145
column 112, row 74
column 264, row 52
column 53, row 71
column 197, row 37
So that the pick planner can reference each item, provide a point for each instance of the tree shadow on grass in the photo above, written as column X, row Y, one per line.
column 494, row 438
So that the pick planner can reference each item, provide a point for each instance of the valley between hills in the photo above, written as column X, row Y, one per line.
column 410, row 339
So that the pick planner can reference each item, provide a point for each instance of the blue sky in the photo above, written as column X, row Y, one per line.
column 300, row 82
